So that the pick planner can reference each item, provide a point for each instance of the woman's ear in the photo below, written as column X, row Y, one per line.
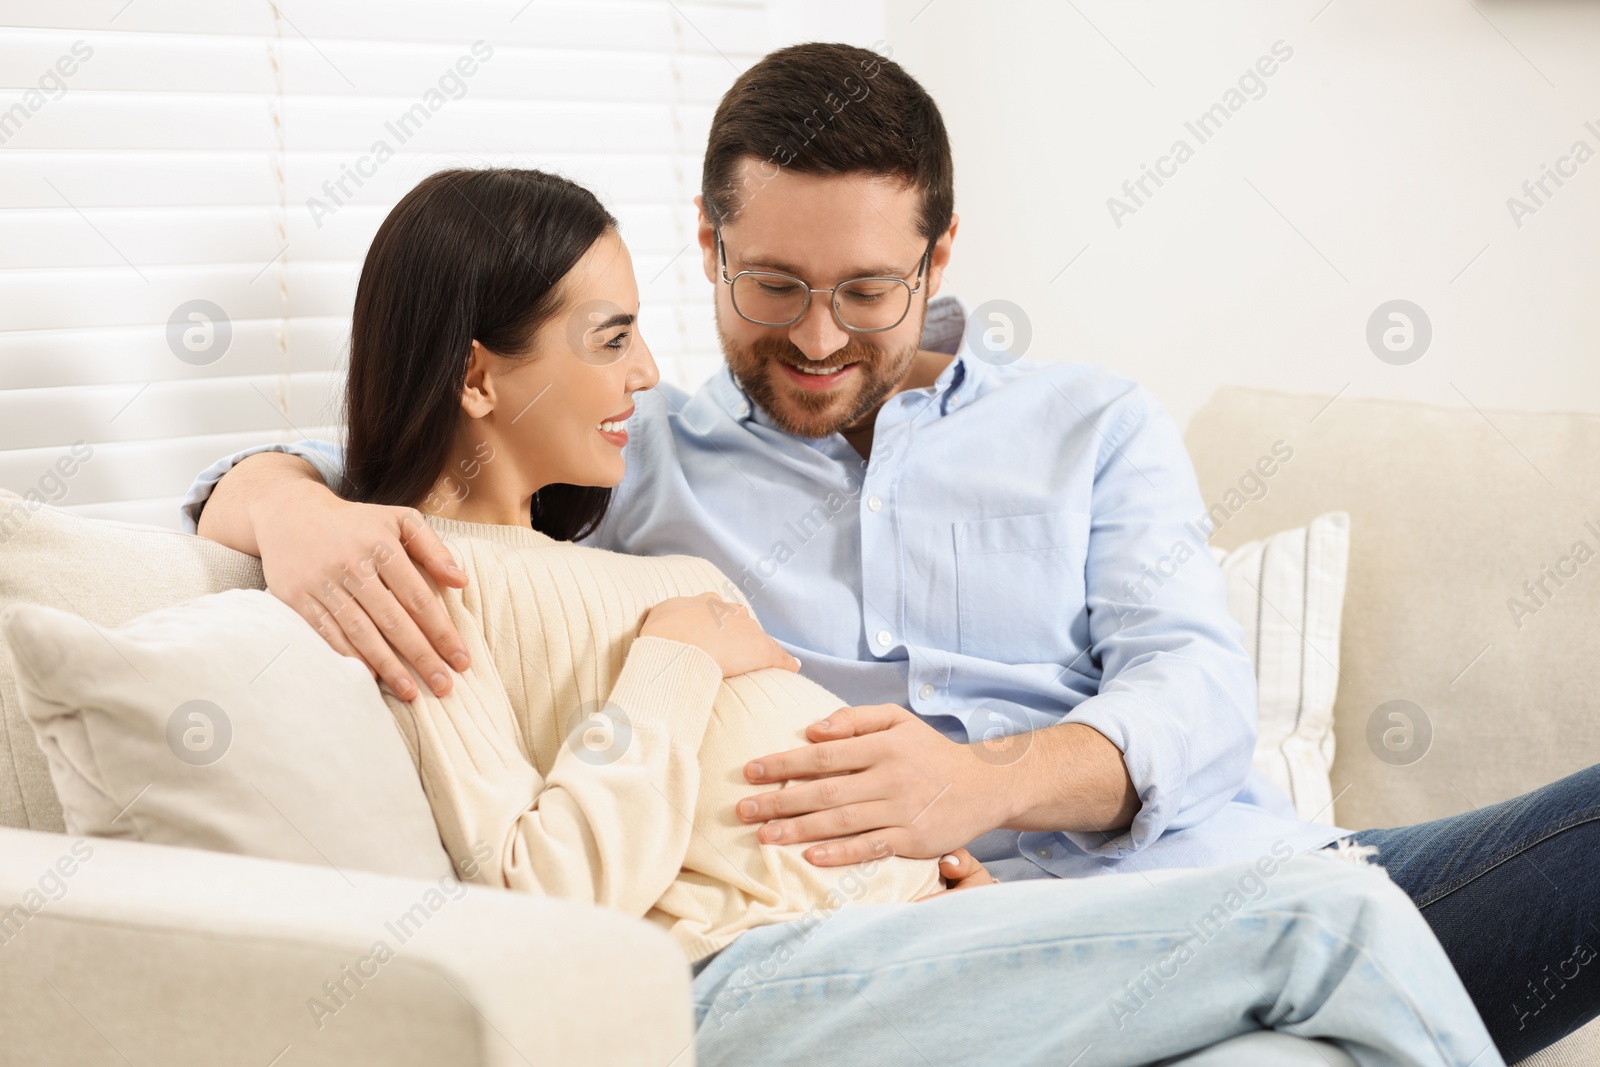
column 477, row 392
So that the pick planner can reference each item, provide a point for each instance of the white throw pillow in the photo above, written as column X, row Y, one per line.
column 225, row 723
column 108, row 572
column 1287, row 591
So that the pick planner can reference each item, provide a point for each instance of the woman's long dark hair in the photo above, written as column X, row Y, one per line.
column 466, row 255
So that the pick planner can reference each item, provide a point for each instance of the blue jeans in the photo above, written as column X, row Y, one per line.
column 1119, row 970
column 1513, row 893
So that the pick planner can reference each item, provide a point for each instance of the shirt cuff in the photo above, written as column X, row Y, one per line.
column 320, row 454
column 1154, row 752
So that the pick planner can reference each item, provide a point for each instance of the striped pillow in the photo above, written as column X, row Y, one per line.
column 1287, row 591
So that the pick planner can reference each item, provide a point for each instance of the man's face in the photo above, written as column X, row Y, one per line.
column 823, row 230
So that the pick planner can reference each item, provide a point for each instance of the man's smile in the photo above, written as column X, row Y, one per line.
column 818, row 379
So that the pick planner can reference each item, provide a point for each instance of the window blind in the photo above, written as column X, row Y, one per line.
column 187, row 189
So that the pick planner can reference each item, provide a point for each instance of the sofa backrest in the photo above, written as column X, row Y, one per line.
column 1474, row 584
column 108, row 572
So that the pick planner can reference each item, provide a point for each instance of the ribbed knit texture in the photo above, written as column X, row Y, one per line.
column 590, row 763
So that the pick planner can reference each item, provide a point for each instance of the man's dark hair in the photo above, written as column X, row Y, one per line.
column 828, row 109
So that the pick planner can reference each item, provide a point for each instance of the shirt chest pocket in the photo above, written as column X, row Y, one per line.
column 1020, row 587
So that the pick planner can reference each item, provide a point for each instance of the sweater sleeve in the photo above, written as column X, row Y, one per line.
column 612, row 822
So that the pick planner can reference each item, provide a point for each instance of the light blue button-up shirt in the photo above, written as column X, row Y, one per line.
column 993, row 567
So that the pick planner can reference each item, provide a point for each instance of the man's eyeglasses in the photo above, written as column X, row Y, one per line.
column 862, row 305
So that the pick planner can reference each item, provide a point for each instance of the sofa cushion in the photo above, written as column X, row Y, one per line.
column 226, row 723
column 108, row 572
column 1451, row 511
column 1468, row 641
column 1287, row 592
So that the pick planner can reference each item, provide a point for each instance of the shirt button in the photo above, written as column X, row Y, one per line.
column 874, row 503
column 926, row 692
column 744, row 409
column 884, row 637
column 1042, row 853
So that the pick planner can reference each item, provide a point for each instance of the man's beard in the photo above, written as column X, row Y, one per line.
column 814, row 414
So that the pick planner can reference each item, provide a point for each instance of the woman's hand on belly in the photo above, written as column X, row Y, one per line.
column 960, row 871
column 724, row 629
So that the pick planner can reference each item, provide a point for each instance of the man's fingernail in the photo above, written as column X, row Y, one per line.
column 951, row 860
column 820, row 854
column 438, row 681
column 769, row 832
column 754, row 770
column 459, row 661
column 825, row 724
column 747, row 808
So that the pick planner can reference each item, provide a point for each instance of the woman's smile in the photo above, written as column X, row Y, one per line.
column 615, row 429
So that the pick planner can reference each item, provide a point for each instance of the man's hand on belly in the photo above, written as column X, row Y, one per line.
column 878, row 776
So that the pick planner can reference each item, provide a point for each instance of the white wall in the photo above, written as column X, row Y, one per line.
column 1376, row 165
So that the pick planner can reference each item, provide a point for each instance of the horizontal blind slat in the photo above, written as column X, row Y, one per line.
column 134, row 355
column 695, row 28
column 174, row 121
column 44, row 359
column 35, row 300
column 39, row 299
column 89, row 61
column 131, row 470
column 38, row 418
column 91, row 178
column 145, row 175
column 111, row 237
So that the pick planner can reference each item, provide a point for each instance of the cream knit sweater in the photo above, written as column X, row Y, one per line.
column 589, row 763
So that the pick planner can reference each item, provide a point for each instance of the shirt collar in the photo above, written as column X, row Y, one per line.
column 944, row 330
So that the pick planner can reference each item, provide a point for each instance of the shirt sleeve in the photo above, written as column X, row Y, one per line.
column 1177, row 692
column 611, row 822
column 325, row 456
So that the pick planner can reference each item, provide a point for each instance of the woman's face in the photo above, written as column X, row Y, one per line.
column 561, row 416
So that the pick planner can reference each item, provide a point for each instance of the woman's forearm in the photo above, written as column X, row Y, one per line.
column 611, row 823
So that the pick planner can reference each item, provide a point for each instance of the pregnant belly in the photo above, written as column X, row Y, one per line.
column 760, row 714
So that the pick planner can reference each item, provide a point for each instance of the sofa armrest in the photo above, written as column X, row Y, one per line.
column 115, row 952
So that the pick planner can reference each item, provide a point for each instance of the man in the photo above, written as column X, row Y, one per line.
column 958, row 542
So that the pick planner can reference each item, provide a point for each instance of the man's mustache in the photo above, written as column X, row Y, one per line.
column 786, row 352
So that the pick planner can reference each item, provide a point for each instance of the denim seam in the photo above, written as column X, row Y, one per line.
column 1180, row 933
column 1505, row 856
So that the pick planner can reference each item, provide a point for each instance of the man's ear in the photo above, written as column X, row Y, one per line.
column 478, row 391
column 707, row 236
column 941, row 256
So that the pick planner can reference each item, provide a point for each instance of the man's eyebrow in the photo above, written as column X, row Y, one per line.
column 619, row 319
column 764, row 263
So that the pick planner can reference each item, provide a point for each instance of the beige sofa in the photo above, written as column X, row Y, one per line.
column 1451, row 510
column 153, row 954
column 141, row 953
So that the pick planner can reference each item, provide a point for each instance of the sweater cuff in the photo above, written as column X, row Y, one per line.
column 669, row 686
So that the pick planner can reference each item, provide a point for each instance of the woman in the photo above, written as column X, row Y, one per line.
column 595, row 748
